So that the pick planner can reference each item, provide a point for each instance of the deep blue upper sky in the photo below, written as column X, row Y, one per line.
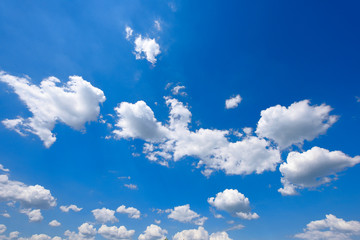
column 269, row 52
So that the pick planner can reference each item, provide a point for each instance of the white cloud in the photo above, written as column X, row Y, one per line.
column 130, row 211
column 192, row 234
column 115, row 233
column 34, row 215
column 220, row 236
column 131, row 186
column 233, row 202
column 178, row 90
column 157, row 221
column 153, row 232
column 73, row 104
column 312, row 168
column 157, row 25
column 4, row 169
column 7, row 215
column 85, row 232
column 233, row 102
column 148, row 47
column 2, row 228
column 330, row 228
column 54, row 223
column 104, row 215
column 38, row 237
column 12, row 236
column 293, row 125
column 70, row 207
column 129, row 32
column 185, row 214
column 29, row 196
column 174, row 141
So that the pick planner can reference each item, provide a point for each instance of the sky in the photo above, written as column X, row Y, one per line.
column 191, row 120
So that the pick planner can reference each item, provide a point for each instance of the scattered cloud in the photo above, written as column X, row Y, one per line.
column 157, row 25
column 295, row 124
column 312, row 168
column 34, row 215
column 185, row 214
column 54, row 223
column 85, row 232
column 330, row 228
column 131, row 186
column 146, row 48
column 7, row 215
column 33, row 196
column 73, row 104
column 4, row 169
column 130, row 211
column 129, row 32
column 115, row 233
column 233, row 202
column 70, row 207
column 178, row 90
column 153, row 232
column 2, row 228
column 104, row 215
column 192, row 234
column 233, row 102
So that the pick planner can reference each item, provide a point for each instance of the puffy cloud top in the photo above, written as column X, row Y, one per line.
column 115, row 233
column 153, row 232
column 130, row 211
column 104, row 215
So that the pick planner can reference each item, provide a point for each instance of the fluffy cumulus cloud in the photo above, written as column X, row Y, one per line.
column 70, row 207
column 312, row 168
column 178, row 90
column 33, row 196
column 34, row 215
column 130, row 211
column 219, row 236
column 233, row 102
column 85, row 232
column 233, row 202
column 104, row 215
column 331, row 228
column 296, row 123
column 153, row 232
column 192, row 234
column 174, row 140
column 115, row 233
column 73, row 104
column 185, row 214
column 146, row 48
column 54, row 223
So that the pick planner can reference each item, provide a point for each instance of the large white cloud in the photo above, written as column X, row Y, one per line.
column 174, row 140
column 233, row 202
column 115, row 233
column 153, row 232
column 147, row 48
column 233, row 102
column 85, row 232
column 312, row 168
column 104, row 215
column 293, row 125
column 34, row 215
column 73, row 104
column 70, row 207
column 130, row 211
column 185, row 214
column 33, row 196
column 330, row 228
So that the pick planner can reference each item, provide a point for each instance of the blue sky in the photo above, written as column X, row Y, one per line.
column 117, row 103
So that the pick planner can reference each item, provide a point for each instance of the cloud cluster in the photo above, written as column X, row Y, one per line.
column 233, row 202
column 174, row 140
column 115, row 233
column 312, row 168
column 34, row 215
column 104, row 215
column 85, row 232
column 73, row 104
column 330, row 228
column 200, row 234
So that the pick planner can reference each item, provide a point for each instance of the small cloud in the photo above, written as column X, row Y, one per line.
column 157, row 25
column 178, row 90
column 131, row 186
column 5, row 215
column 54, row 223
column 129, row 32
column 70, row 207
column 357, row 99
column 233, row 102
column 236, row 227
column 124, row 177
column 147, row 48
column 157, row 221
